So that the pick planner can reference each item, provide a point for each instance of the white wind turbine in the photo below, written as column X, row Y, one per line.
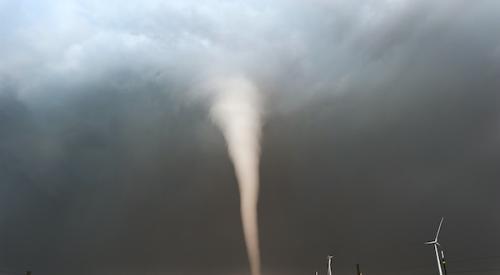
column 436, row 244
column 330, row 264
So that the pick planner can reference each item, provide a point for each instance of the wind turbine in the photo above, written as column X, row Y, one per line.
column 435, row 243
column 330, row 264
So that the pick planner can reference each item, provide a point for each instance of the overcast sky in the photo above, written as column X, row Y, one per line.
column 380, row 117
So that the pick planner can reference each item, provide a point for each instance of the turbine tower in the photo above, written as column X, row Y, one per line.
column 436, row 244
column 330, row 264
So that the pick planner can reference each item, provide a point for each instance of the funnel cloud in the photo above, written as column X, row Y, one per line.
column 124, row 125
column 236, row 110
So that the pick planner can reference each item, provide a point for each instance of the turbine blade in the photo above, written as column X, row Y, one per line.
column 439, row 229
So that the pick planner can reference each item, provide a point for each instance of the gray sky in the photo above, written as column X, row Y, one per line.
column 380, row 117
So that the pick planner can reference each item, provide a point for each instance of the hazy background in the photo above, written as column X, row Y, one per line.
column 380, row 117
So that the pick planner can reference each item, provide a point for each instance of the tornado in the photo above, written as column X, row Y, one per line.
column 236, row 110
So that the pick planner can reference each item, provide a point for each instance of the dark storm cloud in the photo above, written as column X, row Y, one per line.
column 378, row 113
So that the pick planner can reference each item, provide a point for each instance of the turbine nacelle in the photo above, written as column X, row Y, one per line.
column 432, row 243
